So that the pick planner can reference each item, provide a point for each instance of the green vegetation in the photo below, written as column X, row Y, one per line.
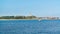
column 27, row 17
column 18, row 17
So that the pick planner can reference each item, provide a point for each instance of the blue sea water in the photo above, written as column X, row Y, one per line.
column 29, row 27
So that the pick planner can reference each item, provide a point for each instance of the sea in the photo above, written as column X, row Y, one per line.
column 29, row 27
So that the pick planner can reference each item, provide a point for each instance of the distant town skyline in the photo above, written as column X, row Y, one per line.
column 24, row 7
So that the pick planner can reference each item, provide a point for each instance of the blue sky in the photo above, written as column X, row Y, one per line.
column 24, row 7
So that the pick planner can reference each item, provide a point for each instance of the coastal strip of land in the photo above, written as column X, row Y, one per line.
column 27, row 18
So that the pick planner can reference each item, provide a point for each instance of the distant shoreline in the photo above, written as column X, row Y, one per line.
column 29, row 19
column 18, row 19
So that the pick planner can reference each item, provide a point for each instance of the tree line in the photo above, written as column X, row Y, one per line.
column 17, row 17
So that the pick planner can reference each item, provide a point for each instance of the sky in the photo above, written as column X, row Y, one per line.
column 35, row 7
